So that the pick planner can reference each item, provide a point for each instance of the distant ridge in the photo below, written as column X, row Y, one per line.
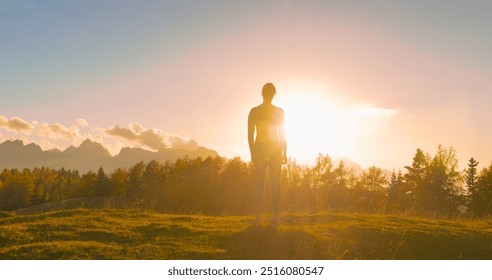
column 89, row 156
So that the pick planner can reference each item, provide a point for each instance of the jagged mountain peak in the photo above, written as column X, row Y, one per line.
column 89, row 143
column 88, row 147
column 13, row 143
column 89, row 155
column 33, row 147
column 10, row 146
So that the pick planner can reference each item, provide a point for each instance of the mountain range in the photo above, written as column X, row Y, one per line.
column 88, row 156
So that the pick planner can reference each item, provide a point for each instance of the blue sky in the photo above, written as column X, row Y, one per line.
column 170, row 66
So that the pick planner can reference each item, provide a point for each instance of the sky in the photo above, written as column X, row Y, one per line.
column 368, row 80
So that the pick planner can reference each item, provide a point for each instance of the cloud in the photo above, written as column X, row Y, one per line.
column 82, row 122
column 15, row 124
column 231, row 152
column 136, row 133
column 44, row 130
column 58, row 131
column 180, row 142
column 46, row 144
column 125, row 133
column 375, row 112
column 55, row 135
column 153, row 138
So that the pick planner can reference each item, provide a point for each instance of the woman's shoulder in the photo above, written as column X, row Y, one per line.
column 279, row 110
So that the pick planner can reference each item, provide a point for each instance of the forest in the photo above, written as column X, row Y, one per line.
column 431, row 186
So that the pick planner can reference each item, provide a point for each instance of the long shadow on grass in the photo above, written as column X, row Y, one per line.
column 264, row 242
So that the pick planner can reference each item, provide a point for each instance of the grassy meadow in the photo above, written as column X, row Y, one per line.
column 139, row 234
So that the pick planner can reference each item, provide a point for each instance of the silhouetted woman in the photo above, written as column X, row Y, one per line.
column 268, row 149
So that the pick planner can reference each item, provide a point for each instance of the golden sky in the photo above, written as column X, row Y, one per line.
column 371, row 82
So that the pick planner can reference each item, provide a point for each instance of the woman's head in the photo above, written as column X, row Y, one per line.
column 268, row 91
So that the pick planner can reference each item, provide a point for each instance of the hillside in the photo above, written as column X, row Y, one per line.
column 137, row 234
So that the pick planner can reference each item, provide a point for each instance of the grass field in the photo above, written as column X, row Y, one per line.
column 138, row 234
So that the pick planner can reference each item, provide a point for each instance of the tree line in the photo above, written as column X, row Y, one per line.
column 430, row 185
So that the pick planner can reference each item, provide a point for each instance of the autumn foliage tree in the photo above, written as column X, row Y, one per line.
column 215, row 185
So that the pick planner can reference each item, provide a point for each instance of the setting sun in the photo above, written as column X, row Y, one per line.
column 306, row 131
column 315, row 125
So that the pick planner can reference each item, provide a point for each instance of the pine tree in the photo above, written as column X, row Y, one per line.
column 471, row 178
column 398, row 192
column 481, row 199
column 414, row 178
column 374, row 180
column 102, row 184
column 135, row 179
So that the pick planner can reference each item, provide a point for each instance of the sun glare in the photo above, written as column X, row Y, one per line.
column 314, row 125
